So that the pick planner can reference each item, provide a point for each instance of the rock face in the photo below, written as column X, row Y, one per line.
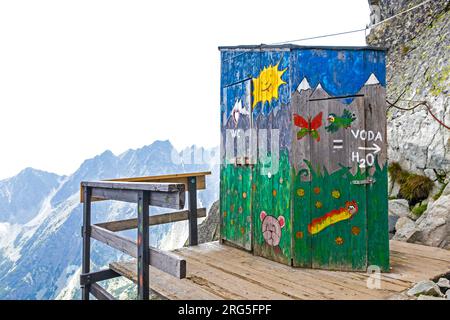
column 208, row 230
column 444, row 283
column 417, row 66
column 426, row 287
column 405, row 229
column 433, row 227
column 399, row 207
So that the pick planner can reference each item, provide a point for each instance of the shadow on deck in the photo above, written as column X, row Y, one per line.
column 216, row 271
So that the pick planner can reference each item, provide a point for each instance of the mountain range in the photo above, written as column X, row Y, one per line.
column 41, row 217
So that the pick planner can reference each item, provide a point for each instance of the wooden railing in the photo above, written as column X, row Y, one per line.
column 166, row 191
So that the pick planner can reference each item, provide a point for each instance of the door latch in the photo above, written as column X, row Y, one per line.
column 369, row 180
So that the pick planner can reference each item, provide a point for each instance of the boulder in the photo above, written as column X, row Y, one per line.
column 208, row 230
column 399, row 207
column 405, row 229
column 433, row 227
column 392, row 220
column 444, row 283
column 426, row 287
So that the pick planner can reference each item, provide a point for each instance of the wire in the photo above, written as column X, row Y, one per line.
column 400, row 13
column 352, row 31
column 322, row 36
column 421, row 103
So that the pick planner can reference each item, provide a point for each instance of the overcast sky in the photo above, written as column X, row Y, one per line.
column 80, row 77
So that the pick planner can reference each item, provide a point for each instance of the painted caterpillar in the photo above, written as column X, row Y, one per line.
column 332, row 217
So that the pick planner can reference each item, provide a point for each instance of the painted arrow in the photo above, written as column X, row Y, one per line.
column 375, row 148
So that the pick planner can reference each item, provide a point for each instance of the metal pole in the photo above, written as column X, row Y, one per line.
column 192, row 188
column 86, row 233
column 143, row 246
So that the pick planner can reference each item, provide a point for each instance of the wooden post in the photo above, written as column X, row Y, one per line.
column 143, row 245
column 86, row 231
column 192, row 188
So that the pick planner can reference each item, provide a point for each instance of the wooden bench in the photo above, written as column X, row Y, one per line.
column 167, row 191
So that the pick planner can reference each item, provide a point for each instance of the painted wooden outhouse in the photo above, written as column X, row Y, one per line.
column 303, row 176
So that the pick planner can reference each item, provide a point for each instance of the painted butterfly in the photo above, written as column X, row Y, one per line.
column 308, row 127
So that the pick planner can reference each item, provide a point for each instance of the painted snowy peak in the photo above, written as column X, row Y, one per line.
column 304, row 85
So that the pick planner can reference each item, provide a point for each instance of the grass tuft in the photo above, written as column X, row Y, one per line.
column 415, row 189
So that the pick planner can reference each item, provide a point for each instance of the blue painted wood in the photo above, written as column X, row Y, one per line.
column 340, row 72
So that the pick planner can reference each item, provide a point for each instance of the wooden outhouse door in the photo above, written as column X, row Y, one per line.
column 335, row 160
column 237, row 172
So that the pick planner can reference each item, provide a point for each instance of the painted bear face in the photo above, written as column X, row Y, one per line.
column 271, row 228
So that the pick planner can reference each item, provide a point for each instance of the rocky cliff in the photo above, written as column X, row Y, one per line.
column 417, row 69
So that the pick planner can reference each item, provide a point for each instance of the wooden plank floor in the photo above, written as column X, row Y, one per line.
column 217, row 271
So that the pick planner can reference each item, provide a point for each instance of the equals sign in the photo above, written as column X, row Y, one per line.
column 338, row 144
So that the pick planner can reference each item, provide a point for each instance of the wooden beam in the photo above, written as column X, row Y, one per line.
column 168, row 178
column 178, row 177
column 114, row 240
column 165, row 199
column 100, row 293
column 138, row 186
column 192, row 188
column 164, row 261
column 127, row 224
column 97, row 276
column 86, row 254
column 143, row 255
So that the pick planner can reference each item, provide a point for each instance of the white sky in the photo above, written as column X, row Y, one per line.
column 80, row 77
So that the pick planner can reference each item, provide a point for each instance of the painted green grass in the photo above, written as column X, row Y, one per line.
column 343, row 245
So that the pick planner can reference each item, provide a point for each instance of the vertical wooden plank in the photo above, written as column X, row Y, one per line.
column 321, row 241
column 302, row 180
column 192, row 188
column 378, row 235
column 357, row 192
column 235, row 196
column 86, row 257
column 340, row 255
column 143, row 259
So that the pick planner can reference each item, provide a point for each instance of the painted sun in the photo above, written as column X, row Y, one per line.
column 265, row 86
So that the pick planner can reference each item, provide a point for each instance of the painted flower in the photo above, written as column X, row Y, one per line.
column 232, row 222
column 339, row 241
column 316, row 190
column 335, row 194
column 299, row 235
column 240, row 209
column 355, row 230
column 232, row 208
column 281, row 180
column 300, row 192
column 318, row 204
column 253, row 187
column 224, row 214
column 274, row 192
column 242, row 230
column 244, row 195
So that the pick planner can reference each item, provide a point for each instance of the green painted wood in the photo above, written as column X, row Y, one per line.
column 301, row 190
column 236, row 207
column 273, row 196
column 377, row 193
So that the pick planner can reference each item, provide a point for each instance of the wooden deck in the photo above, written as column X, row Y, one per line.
column 217, row 271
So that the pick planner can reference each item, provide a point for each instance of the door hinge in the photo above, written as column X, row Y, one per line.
column 369, row 180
